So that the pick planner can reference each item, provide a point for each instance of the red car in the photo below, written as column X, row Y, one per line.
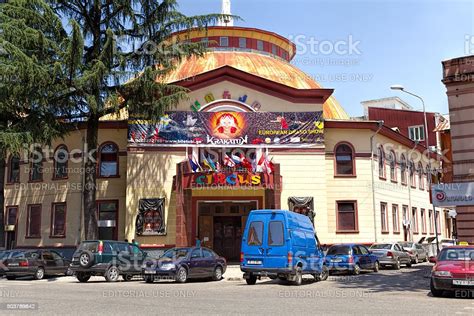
column 454, row 270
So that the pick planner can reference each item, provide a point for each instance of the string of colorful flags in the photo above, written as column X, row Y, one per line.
column 234, row 161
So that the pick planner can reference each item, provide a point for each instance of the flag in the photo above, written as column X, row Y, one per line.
column 228, row 162
column 194, row 164
column 211, row 162
column 208, row 163
column 261, row 164
column 236, row 159
column 246, row 164
column 269, row 168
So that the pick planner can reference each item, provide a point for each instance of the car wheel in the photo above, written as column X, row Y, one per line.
column 376, row 266
column 217, row 275
column 83, row 277
column 128, row 277
column 149, row 279
column 181, row 275
column 416, row 260
column 68, row 272
column 408, row 264
column 397, row 265
column 39, row 274
column 272, row 277
column 112, row 274
column 427, row 259
column 434, row 291
column 86, row 259
column 11, row 277
column 252, row 279
column 323, row 276
column 356, row 270
column 298, row 276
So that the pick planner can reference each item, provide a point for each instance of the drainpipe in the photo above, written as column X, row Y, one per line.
column 380, row 125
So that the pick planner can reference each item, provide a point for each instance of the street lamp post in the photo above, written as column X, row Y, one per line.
column 427, row 145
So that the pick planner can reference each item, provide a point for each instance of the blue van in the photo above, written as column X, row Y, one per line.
column 280, row 244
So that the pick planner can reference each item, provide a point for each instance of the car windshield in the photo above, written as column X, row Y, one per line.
column 381, row 246
column 456, row 254
column 339, row 250
column 176, row 253
column 406, row 244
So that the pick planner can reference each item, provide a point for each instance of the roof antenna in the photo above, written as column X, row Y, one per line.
column 228, row 21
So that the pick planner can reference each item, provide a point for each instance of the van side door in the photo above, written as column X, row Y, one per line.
column 276, row 247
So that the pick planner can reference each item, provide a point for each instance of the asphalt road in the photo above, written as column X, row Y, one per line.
column 389, row 292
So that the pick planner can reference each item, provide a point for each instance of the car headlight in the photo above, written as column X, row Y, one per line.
column 442, row 273
column 167, row 266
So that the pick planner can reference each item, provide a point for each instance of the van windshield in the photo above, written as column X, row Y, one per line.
column 255, row 234
column 339, row 250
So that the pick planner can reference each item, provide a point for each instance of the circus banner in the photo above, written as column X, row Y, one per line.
column 230, row 129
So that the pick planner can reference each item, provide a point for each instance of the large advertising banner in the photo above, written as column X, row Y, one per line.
column 230, row 129
column 453, row 194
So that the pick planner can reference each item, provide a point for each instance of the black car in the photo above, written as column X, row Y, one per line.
column 35, row 263
column 108, row 258
column 4, row 255
column 181, row 264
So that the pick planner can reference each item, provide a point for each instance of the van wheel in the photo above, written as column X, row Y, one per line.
column 112, row 274
column 83, row 277
column 252, row 279
column 323, row 276
column 86, row 259
column 149, row 279
column 298, row 276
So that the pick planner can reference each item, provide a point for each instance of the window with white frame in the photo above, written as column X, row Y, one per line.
column 224, row 41
column 416, row 133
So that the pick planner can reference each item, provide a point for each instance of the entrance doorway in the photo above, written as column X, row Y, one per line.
column 221, row 224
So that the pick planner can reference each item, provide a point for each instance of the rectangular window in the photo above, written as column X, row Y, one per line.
column 416, row 133
column 274, row 49
column 205, row 41
column 260, row 45
column 275, row 233
column 346, row 216
column 12, row 212
column 395, row 219
column 414, row 216
column 405, row 215
column 430, row 221
column 224, row 41
column 423, row 221
column 384, row 217
column 33, row 223
column 242, row 42
column 438, row 223
column 58, row 220
column 255, row 237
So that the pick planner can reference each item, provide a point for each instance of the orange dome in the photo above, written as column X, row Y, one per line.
column 267, row 67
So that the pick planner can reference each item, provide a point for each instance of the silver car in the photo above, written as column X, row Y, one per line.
column 416, row 251
column 391, row 254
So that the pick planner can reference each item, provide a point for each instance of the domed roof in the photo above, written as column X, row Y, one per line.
column 261, row 65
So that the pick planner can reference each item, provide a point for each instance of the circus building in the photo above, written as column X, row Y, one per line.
column 256, row 132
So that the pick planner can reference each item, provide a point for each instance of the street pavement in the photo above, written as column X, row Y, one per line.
column 389, row 292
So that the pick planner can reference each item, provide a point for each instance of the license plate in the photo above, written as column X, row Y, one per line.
column 150, row 272
column 336, row 260
column 13, row 264
column 254, row 261
column 463, row 282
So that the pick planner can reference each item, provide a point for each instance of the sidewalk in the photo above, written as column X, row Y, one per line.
column 233, row 273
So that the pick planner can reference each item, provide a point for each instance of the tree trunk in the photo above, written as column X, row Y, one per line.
column 2, row 197
column 90, row 178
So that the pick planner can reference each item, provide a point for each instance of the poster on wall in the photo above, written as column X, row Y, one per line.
column 230, row 129
column 150, row 218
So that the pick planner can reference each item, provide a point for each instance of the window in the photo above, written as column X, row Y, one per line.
column 48, row 256
column 430, row 221
column 395, row 219
column 107, row 219
column 12, row 212
column 416, row 133
column 363, row 250
column 284, row 55
column 346, row 217
column 58, row 220
column 255, row 234
column 108, row 157
column 421, row 180
column 36, row 172
column 423, row 221
column 384, row 217
column 33, row 223
column 345, row 162
column 207, row 253
column 224, row 41
column 356, row 251
column 411, row 170
column 393, row 166
column 196, row 253
column 275, row 233
column 14, row 169
column 242, row 42
column 405, row 215
column 56, row 256
column 438, row 223
column 274, row 49
column 414, row 216
column 61, row 157
column 205, row 41
column 381, row 156
column 403, row 169
column 260, row 45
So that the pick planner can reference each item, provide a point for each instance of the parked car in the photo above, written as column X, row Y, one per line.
column 4, row 255
column 416, row 251
column 352, row 258
column 454, row 270
column 391, row 254
column 182, row 264
column 35, row 263
column 108, row 258
column 280, row 244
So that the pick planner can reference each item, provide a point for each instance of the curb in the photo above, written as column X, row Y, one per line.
column 234, row 279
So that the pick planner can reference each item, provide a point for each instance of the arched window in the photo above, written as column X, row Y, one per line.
column 421, row 179
column 345, row 162
column 36, row 171
column 411, row 170
column 61, row 156
column 108, row 160
column 381, row 155
column 393, row 165
column 14, row 169
column 403, row 169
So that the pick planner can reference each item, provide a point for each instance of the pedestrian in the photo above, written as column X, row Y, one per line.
column 135, row 243
column 126, row 240
column 198, row 242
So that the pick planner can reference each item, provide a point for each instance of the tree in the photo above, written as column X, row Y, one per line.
column 31, row 36
column 109, row 44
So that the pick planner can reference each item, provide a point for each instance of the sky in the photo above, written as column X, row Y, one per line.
column 362, row 47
